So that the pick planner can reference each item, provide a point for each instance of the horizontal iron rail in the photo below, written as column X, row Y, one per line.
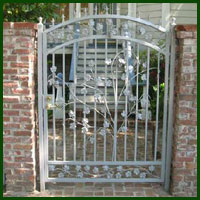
column 137, row 20
column 105, row 162
column 50, row 51
column 104, row 180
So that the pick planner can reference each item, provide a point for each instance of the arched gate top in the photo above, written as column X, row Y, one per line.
column 129, row 18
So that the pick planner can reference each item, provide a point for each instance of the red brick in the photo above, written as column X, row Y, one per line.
column 21, row 91
column 7, row 158
column 184, row 159
column 23, row 171
column 11, row 139
column 22, row 106
column 27, row 113
column 5, row 64
column 20, row 65
column 22, row 119
column 25, row 25
column 195, row 35
column 6, row 119
column 124, row 194
column 7, row 146
column 25, row 84
column 21, row 51
column 6, row 132
column 184, row 34
column 19, row 77
column 27, row 44
column 192, row 142
column 11, row 125
column 10, row 84
column 22, row 133
column 10, row 71
column 28, row 127
column 23, row 39
column 21, row 146
column 8, row 45
column 10, row 99
column 12, row 165
column 5, row 77
column 10, row 58
column 186, row 28
column 191, row 165
column 8, row 25
column 187, row 63
column 23, row 159
column 11, row 113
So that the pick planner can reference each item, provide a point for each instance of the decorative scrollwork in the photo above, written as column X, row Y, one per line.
column 105, row 171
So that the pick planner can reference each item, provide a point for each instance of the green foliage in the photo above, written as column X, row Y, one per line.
column 153, row 87
column 30, row 12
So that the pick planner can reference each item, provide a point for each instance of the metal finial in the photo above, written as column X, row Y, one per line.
column 95, row 9
column 85, row 11
column 40, row 20
column 53, row 21
column 173, row 21
column 63, row 17
column 106, row 8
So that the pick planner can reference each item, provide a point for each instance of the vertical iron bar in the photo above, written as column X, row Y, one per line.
column 147, row 104
column 84, row 115
column 165, row 105
column 126, row 98
column 46, row 131
column 54, row 119
column 115, row 118
column 64, row 129
column 157, row 108
column 75, row 83
column 95, row 104
column 137, row 96
column 171, row 116
column 40, row 104
column 106, row 76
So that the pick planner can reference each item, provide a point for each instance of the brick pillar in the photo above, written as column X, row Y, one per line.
column 19, row 56
column 184, row 163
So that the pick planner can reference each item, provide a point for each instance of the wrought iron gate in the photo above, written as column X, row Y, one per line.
column 109, row 123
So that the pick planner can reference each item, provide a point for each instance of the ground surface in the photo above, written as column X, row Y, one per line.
column 98, row 190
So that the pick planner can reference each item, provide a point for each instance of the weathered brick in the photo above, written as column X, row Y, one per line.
column 20, row 65
column 10, row 84
column 185, row 134
column 10, row 99
column 21, row 106
column 10, row 58
column 11, row 125
column 22, row 133
column 18, row 71
column 10, row 71
column 22, row 146
column 10, row 113
column 21, row 91
column 21, row 51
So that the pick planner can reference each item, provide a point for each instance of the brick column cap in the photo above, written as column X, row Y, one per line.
column 187, row 28
column 19, row 25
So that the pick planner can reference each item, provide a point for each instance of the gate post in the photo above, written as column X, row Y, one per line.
column 40, row 104
column 170, row 102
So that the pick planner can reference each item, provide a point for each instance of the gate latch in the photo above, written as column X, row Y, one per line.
column 48, row 102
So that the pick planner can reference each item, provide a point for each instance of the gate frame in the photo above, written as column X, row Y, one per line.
column 169, row 107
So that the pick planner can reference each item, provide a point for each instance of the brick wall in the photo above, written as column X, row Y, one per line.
column 19, row 109
column 19, row 105
column 184, row 170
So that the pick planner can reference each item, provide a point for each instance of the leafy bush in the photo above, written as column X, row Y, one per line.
column 29, row 12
